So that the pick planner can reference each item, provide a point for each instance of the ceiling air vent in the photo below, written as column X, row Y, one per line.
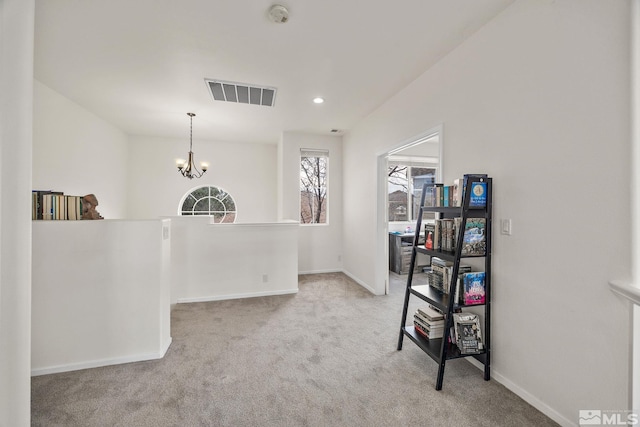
column 241, row 92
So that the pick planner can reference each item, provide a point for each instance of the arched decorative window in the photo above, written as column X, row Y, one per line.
column 212, row 201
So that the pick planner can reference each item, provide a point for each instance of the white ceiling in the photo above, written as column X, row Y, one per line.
column 141, row 64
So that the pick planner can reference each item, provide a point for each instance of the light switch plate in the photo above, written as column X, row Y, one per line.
column 505, row 227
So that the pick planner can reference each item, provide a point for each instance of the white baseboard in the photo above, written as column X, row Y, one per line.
column 102, row 362
column 236, row 296
column 164, row 350
column 351, row 276
column 359, row 282
column 320, row 271
column 525, row 395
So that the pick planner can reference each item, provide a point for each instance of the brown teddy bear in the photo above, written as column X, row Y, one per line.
column 89, row 203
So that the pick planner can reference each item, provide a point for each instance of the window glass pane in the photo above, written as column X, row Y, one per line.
column 420, row 176
column 313, row 189
column 201, row 205
column 216, row 205
column 211, row 201
column 220, row 195
column 201, row 192
column 398, row 185
column 405, row 181
column 188, row 203
column 214, row 191
column 230, row 204
column 218, row 216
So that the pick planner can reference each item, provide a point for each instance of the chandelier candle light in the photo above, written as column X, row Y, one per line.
column 187, row 168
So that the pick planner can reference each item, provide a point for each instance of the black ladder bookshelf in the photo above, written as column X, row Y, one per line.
column 441, row 349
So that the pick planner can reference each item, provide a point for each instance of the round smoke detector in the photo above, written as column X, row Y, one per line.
column 278, row 14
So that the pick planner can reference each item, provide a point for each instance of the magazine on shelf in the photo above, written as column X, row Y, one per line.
column 468, row 335
column 429, row 235
column 473, row 285
column 474, row 241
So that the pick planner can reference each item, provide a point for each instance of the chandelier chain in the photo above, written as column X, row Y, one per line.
column 191, row 131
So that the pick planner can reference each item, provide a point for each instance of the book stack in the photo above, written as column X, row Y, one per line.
column 440, row 276
column 442, row 235
column 440, row 195
column 436, row 277
column 55, row 205
column 429, row 322
column 447, row 233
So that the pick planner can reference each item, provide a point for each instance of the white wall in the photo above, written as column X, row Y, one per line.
column 225, row 261
column 101, row 293
column 319, row 246
column 16, row 115
column 635, row 197
column 246, row 171
column 538, row 99
column 77, row 152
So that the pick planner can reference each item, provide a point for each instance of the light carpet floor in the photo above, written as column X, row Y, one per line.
column 325, row 356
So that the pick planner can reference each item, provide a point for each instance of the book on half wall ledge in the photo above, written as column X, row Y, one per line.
column 49, row 205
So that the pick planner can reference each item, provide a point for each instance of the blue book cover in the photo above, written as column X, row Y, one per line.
column 478, row 194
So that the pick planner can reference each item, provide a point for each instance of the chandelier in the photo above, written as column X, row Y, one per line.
column 187, row 168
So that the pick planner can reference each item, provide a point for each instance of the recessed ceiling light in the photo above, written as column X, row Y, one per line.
column 318, row 100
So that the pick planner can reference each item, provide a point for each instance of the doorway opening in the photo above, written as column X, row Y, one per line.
column 401, row 172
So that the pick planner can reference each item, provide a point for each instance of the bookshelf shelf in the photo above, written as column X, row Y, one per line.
column 431, row 296
column 453, row 209
column 433, row 347
column 442, row 349
column 436, row 297
column 449, row 256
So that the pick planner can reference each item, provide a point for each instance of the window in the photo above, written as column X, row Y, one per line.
column 314, row 170
column 212, row 201
column 405, row 181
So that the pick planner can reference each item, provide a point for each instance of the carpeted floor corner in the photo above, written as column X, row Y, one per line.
column 323, row 357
